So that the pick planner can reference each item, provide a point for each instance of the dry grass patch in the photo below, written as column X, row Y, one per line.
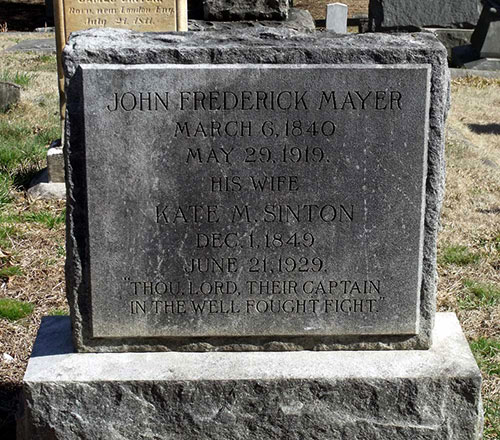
column 469, row 242
column 37, row 250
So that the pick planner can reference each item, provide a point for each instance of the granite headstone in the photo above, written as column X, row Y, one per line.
column 486, row 37
column 336, row 17
column 411, row 14
column 229, row 10
column 9, row 94
column 256, row 191
column 247, row 203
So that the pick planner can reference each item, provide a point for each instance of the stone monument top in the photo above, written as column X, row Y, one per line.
column 268, row 196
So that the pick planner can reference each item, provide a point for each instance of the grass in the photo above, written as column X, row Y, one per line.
column 5, row 184
column 7, row 272
column 50, row 219
column 479, row 294
column 491, row 419
column 487, row 354
column 22, row 79
column 8, row 233
column 458, row 255
column 13, row 309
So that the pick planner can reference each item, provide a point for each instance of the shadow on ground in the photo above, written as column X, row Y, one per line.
column 9, row 398
column 485, row 128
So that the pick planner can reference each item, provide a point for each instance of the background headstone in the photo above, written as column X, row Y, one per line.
column 298, row 19
column 49, row 182
column 55, row 163
column 486, row 37
column 9, row 94
column 412, row 14
column 42, row 45
column 229, row 10
column 73, row 15
column 336, row 18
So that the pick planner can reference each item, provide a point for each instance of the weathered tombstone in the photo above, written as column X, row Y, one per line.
column 253, row 195
column 228, row 10
column 55, row 163
column 9, row 94
column 411, row 14
column 336, row 18
column 49, row 183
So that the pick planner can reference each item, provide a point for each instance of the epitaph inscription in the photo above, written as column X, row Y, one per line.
column 255, row 200
column 145, row 15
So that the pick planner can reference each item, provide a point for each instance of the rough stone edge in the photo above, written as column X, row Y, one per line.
column 274, row 46
column 56, row 400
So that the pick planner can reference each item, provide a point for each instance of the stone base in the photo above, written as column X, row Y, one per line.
column 342, row 395
column 41, row 188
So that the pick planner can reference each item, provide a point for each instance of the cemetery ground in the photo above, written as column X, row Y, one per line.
column 32, row 232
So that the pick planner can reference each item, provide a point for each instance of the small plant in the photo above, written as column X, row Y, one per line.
column 46, row 218
column 492, row 418
column 61, row 251
column 487, row 353
column 5, row 195
column 7, row 232
column 13, row 309
column 7, row 272
column 459, row 255
column 20, row 78
column 479, row 295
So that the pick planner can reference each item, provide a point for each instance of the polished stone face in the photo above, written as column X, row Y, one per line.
column 255, row 200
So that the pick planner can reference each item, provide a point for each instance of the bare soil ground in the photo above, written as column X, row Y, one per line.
column 469, row 243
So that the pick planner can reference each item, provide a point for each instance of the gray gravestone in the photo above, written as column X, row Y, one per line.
column 42, row 45
column 260, row 216
column 486, row 37
column 229, row 10
column 336, row 18
column 9, row 95
column 411, row 14
column 298, row 19
column 55, row 163
column 254, row 195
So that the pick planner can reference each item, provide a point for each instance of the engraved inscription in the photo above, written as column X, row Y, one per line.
column 258, row 200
